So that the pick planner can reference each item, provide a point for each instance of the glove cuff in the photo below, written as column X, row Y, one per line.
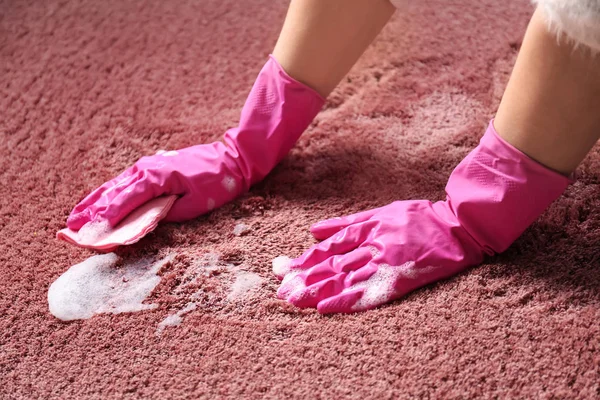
column 497, row 191
column 276, row 113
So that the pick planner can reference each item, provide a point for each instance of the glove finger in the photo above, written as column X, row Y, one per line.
column 324, row 229
column 291, row 282
column 295, row 280
column 343, row 242
column 311, row 295
column 378, row 285
column 340, row 263
column 186, row 208
column 105, row 189
column 128, row 199
column 341, row 303
column 85, row 210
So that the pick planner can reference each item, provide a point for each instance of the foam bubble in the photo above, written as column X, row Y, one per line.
column 409, row 271
column 374, row 252
column 202, row 266
column 170, row 320
column 244, row 283
column 240, row 229
column 380, row 287
column 93, row 231
column 95, row 286
column 281, row 265
column 229, row 183
column 175, row 319
column 290, row 275
column 291, row 283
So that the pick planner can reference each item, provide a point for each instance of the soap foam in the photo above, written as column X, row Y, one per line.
column 380, row 287
column 175, row 319
column 240, row 229
column 229, row 184
column 201, row 267
column 244, row 283
column 281, row 266
column 291, row 283
column 96, row 286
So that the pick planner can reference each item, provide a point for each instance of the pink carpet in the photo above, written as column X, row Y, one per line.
column 88, row 87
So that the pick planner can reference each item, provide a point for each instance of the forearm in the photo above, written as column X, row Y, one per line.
column 550, row 107
column 319, row 43
column 321, row 40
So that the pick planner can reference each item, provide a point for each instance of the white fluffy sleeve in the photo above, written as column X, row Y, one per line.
column 578, row 19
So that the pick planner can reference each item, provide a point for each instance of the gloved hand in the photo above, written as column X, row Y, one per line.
column 206, row 176
column 373, row 257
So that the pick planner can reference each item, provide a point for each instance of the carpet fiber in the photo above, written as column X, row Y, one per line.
column 88, row 87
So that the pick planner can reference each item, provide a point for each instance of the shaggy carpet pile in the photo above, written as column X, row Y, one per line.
column 88, row 87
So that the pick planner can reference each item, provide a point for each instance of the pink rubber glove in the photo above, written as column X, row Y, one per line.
column 373, row 257
column 206, row 176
